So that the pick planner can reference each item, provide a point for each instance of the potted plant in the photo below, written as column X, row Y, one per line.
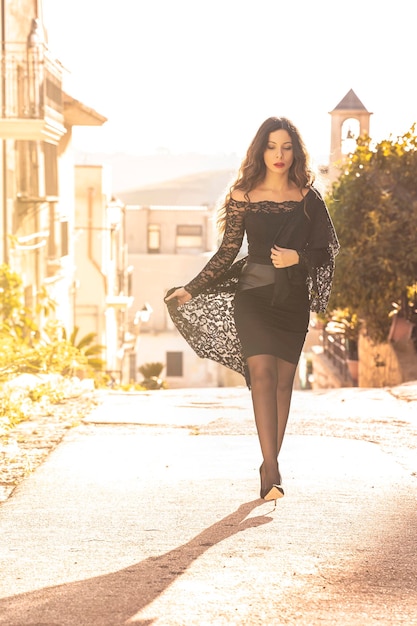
column 151, row 373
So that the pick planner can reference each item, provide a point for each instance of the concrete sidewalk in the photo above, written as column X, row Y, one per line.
column 148, row 513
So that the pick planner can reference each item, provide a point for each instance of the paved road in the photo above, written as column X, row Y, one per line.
column 148, row 513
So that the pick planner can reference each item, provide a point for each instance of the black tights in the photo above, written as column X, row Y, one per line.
column 271, row 385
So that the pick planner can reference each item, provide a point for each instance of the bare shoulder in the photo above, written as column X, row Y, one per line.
column 238, row 195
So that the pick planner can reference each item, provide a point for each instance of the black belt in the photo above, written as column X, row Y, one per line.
column 281, row 278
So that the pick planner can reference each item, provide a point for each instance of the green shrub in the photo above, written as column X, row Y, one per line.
column 14, row 408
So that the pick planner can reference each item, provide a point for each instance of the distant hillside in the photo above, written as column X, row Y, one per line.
column 129, row 171
column 194, row 189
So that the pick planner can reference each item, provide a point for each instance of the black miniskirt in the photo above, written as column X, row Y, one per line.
column 271, row 320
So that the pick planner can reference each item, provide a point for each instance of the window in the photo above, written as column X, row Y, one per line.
column 27, row 169
column 132, row 366
column 189, row 237
column 64, row 239
column 154, row 238
column 51, row 169
column 174, row 364
column 129, row 280
column 58, row 241
column 54, row 233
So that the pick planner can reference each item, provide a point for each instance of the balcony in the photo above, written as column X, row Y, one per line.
column 31, row 93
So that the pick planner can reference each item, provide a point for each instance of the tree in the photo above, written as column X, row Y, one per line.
column 16, row 319
column 374, row 209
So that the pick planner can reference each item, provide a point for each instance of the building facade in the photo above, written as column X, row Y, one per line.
column 60, row 228
column 102, row 280
column 349, row 120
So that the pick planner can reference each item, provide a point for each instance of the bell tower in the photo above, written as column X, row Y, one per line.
column 350, row 120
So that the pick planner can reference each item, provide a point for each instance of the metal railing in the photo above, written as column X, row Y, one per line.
column 31, row 82
column 334, row 348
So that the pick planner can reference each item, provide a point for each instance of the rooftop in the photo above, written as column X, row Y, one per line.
column 350, row 102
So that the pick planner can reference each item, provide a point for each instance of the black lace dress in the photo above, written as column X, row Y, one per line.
column 249, row 307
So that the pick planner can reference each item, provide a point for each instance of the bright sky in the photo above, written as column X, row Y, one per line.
column 194, row 76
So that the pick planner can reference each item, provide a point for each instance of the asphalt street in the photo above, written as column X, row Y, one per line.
column 149, row 513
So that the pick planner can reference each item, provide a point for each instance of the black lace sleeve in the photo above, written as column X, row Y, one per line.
column 319, row 255
column 227, row 252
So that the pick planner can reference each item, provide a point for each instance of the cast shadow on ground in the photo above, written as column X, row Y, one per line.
column 114, row 599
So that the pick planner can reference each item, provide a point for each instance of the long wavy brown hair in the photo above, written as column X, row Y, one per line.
column 253, row 169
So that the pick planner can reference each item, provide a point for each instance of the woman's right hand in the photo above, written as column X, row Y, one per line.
column 180, row 294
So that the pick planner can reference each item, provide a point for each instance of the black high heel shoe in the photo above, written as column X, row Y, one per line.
column 274, row 493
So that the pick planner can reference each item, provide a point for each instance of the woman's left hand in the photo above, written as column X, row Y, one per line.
column 180, row 294
column 284, row 257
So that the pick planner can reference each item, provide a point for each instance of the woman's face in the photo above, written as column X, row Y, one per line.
column 279, row 152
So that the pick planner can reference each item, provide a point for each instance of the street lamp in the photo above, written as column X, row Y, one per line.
column 143, row 315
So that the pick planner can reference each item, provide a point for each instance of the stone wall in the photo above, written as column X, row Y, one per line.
column 387, row 364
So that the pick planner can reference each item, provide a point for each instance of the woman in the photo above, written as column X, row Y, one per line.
column 287, row 273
